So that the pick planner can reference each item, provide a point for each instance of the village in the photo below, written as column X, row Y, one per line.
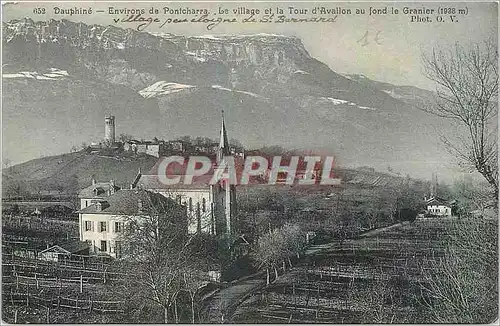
column 227, row 163
column 241, row 239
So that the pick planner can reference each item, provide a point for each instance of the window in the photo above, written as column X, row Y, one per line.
column 198, row 209
column 191, row 204
column 203, row 205
column 102, row 226
column 104, row 245
column 118, row 227
column 179, row 198
column 118, row 249
column 88, row 225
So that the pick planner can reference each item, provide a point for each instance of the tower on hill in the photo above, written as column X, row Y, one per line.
column 109, row 129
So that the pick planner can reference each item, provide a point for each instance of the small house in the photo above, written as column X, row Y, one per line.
column 64, row 251
column 437, row 206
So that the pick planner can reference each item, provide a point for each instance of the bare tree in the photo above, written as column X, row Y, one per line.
column 193, row 281
column 123, row 138
column 7, row 163
column 277, row 246
column 155, row 248
column 467, row 90
column 471, row 195
column 462, row 287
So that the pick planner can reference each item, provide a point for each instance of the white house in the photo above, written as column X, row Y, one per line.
column 103, row 222
column 438, row 206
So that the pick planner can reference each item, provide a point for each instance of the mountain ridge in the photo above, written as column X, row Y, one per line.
column 272, row 90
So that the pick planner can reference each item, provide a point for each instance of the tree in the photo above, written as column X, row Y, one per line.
column 462, row 287
column 123, row 138
column 276, row 246
column 235, row 143
column 471, row 195
column 269, row 252
column 193, row 281
column 155, row 249
column 294, row 240
column 7, row 163
column 186, row 139
column 467, row 89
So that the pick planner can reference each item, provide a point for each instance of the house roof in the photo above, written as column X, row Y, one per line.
column 70, row 247
column 126, row 202
column 101, row 187
column 436, row 200
column 153, row 182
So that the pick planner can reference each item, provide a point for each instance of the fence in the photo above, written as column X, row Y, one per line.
column 77, row 303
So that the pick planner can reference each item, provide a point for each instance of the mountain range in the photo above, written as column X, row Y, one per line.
column 60, row 78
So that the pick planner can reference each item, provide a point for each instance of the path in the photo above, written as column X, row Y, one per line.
column 380, row 230
column 221, row 305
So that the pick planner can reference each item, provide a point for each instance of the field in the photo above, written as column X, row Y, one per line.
column 374, row 278
column 37, row 291
column 379, row 276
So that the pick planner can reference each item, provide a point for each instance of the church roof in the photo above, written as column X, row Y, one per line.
column 223, row 142
column 126, row 202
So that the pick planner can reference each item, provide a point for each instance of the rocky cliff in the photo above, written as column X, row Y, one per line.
column 65, row 76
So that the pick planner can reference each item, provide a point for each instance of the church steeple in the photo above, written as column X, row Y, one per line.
column 223, row 142
column 225, row 193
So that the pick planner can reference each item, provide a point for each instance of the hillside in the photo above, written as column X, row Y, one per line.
column 67, row 173
column 409, row 94
column 61, row 77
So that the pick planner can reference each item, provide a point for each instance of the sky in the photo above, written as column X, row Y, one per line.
column 385, row 47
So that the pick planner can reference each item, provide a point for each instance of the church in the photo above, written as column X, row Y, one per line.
column 211, row 208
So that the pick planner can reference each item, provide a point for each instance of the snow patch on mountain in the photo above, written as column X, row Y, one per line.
column 336, row 101
column 163, row 88
column 221, row 88
column 302, row 72
column 195, row 56
column 52, row 74
column 237, row 91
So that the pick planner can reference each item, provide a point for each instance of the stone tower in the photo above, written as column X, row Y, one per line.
column 109, row 129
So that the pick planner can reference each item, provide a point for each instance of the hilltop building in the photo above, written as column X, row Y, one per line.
column 210, row 208
column 109, row 140
column 102, row 223
column 160, row 148
column 153, row 147
column 109, row 129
